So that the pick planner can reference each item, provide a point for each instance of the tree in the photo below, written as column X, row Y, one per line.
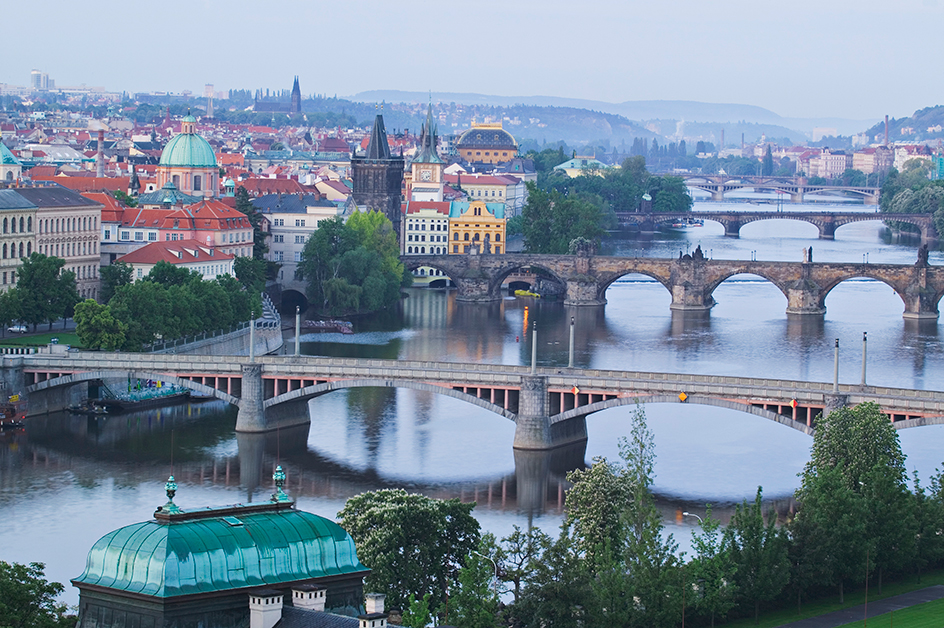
column 759, row 553
column 474, row 604
column 113, row 277
column 560, row 590
column 168, row 274
column 97, row 328
column 417, row 613
column 251, row 273
column 10, row 310
column 413, row 544
column 47, row 293
column 28, row 600
column 123, row 197
column 244, row 205
column 517, row 556
column 767, row 167
column 712, row 571
column 551, row 221
column 595, row 508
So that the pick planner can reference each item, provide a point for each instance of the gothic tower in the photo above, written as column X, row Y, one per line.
column 296, row 98
column 378, row 177
column 427, row 166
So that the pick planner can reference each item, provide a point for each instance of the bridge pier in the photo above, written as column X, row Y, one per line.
column 689, row 286
column 533, row 429
column 920, row 303
column 583, row 291
column 717, row 195
column 251, row 416
column 732, row 228
column 474, row 290
column 796, row 197
column 804, row 296
column 827, row 230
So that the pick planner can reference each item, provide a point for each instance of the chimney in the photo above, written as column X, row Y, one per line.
column 265, row 608
column 375, row 616
column 100, row 157
column 886, row 129
column 309, row 597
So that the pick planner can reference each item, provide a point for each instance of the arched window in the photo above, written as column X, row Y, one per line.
column 21, row 249
column 176, row 180
column 423, row 251
column 9, row 175
column 29, row 224
column 197, row 180
column 466, row 237
column 29, row 249
column 13, row 225
column 4, row 250
column 6, row 226
column 22, row 224
column 455, row 236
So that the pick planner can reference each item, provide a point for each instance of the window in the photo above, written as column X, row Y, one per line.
column 22, row 224
column 409, row 249
column 231, row 238
column 299, row 239
column 466, row 238
column 497, row 237
column 422, row 238
column 139, row 272
column 176, row 180
column 455, row 248
column 279, row 222
column 167, row 236
column 125, row 235
column 107, row 234
column 455, row 236
column 278, row 238
column 196, row 183
column 152, row 236
column 279, row 256
column 29, row 223
column 138, row 235
column 299, row 222
column 298, row 256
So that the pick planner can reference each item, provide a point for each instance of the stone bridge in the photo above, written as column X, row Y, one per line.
column 826, row 222
column 549, row 406
column 690, row 280
column 718, row 184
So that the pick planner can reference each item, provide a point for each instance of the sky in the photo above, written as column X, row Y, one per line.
column 858, row 59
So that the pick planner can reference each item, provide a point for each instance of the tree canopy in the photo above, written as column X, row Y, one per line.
column 28, row 600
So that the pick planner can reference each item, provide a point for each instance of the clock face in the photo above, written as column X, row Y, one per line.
column 426, row 175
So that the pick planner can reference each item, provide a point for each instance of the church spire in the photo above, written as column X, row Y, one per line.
column 427, row 149
column 378, row 148
column 296, row 97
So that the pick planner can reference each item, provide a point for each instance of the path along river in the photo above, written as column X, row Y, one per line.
column 69, row 480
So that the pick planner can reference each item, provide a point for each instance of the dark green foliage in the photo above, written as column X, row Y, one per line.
column 474, row 602
column 113, row 277
column 414, row 545
column 767, row 166
column 354, row 266
column 710, row 576
column 46, row 292
column 244, row 205
column 550, row 221
column 97, row 327
column 28, row 600
column 123, row 197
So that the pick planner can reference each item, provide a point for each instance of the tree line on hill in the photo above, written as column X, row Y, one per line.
column 856, row 520
column 912, row 191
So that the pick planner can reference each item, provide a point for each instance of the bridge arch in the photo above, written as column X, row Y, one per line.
column 310, row 392
column 87, row 376
column 495, row 282
column 866, row 274
column 692, row 399
column 721, row 278
column 609, row 279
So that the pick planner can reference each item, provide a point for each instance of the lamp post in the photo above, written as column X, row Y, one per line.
column 494, row 564
column 570, row 354
column 691, row 514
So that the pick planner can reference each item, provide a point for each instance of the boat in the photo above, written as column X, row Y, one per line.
column 527, row 293
column 10, row 415
column 329, row 326
column 685, row 225
column 89, row 407
column 141, row 396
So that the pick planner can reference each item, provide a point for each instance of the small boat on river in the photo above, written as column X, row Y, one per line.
column 141, row 396
column 329, row 326
column 684, row 225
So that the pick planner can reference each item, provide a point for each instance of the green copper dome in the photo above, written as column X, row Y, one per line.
column 7, row 158
column 188, row 149
column 183, row 553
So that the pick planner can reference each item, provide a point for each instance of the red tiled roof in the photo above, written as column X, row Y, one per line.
column 89, row 184
column 258, row 187
column 439, row 206
column 175, row 252
column 472, row 179
column 230, row 159
column 113, row 208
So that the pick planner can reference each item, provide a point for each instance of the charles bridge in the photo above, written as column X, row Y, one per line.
column 825, row 222
column 548, row 405
column 690, row 279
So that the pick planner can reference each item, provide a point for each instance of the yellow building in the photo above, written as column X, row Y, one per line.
column 476, row 223
column 487, row 144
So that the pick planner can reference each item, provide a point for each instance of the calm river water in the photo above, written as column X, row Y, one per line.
column 69, row 480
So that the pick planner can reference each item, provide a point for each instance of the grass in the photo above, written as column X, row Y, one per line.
column 65, row 338
column 830, row 602
column 927, row 615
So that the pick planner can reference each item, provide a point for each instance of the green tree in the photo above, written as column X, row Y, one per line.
column 123, row 197
column 113, row 277
column 560, row 589
column 413, row 544
column 47, row 292
column 28, row 600
column 474, row 602
column 928, row 509
column 97, row 328
column 144, row 306
column 244, row 205
column 712, row 571
column 551, row 221
column 417, row 613
column 168, row 274
column 759, row 553
column 251, row 273
column 10, row 309
column 767, row 167
column 517, row 556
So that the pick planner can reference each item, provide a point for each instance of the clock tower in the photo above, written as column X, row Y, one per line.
column 427, row 166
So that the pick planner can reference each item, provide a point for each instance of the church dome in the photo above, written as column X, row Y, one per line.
column 220, row 549
column 187, row 149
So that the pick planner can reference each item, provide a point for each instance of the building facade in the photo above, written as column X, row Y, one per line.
column 426, row 226
column 292, row 219
column 426, row 170
column 17, row 234
column 476, row 224
column 188, row 254
column 487, row 144
column 67, row 226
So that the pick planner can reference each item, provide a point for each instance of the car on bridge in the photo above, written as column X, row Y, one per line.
column 17, row 329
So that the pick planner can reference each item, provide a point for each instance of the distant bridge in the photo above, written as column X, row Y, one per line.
column 796, row 187
column 548, row 405
column 826, row 222
column 690, row 280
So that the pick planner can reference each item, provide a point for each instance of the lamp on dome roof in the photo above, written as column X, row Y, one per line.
column 279, row 495
column 171, row 488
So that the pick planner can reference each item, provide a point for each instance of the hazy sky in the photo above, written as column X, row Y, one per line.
column 799, row 58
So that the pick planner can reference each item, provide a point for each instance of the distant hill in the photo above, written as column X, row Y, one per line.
column 641, row 110
column 924, row 125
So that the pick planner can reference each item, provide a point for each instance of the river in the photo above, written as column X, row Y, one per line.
column 69, row 480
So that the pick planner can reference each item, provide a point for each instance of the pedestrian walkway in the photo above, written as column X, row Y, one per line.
column 878, row 607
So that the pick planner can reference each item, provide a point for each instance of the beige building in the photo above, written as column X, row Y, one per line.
column 872, row 160
column 67, row 226
column 292, row 219
column 17, row 234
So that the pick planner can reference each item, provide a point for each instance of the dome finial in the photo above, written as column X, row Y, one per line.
column 279, row 495
column 171, row 488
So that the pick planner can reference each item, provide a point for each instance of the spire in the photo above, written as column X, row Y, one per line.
column 427, row 149
column 378, row 147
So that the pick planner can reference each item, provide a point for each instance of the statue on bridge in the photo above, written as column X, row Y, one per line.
column 808, row 255
column 922, row 257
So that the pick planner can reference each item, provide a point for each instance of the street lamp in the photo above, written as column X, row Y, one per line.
column 691, row 514
column 494, row 564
